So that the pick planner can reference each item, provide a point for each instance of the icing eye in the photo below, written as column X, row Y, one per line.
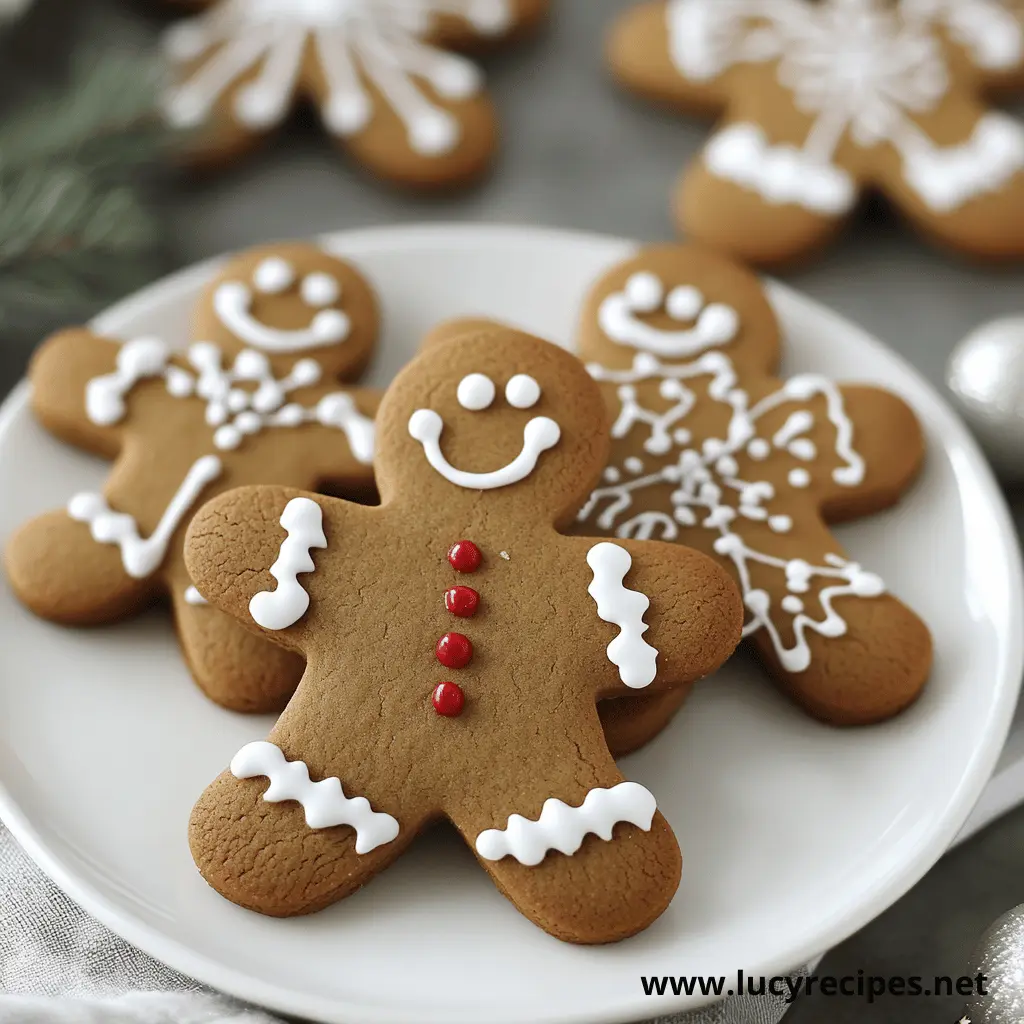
column 644, row 292
column 522, row 391
column 320, row 289
column 273, row 275
column 476, row 392
column 684, row 303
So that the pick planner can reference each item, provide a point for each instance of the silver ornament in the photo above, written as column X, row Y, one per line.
column 986, row 376
column 1000, row 957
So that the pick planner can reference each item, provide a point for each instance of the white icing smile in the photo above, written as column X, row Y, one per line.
column 232, row 302
column 476, row 392
column 713, row 323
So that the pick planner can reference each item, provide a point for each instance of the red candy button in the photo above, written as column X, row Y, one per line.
column 448, row 699
column 454, row 650
column 464, row 556
column 462, row 601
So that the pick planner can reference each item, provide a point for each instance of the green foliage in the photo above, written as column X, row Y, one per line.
column 75, row 171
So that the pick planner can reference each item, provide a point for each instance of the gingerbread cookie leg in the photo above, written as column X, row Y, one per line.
column 573, row 822
column 958, row 175
column 230, row 664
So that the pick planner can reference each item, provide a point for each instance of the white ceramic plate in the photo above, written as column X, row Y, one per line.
column 794, row 834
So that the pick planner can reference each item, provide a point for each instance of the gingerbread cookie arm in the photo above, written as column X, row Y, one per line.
column 64, row 397
column 419, row 118
column 890, row 447
column 957, row 173
column 988, row 39
column 669, row 615
column 672, row 53
column 341, row 440
column 545, row 835
column 250, row 552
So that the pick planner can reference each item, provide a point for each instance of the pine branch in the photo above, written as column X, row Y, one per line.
column 75, row 229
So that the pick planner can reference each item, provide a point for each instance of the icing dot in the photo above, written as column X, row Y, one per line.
column 292, row 414
column 611, row 475
column 434, row 132
column 237, row 400
column 792, row 604
column 475, row 392
column 320, row 289
column 464, row 556
column 634, row 465
column 799, row 478
column 227, row 438
column 719, row 323
column 682, row 436
column 522, row 391
column 759, row 449
column 251, row 365
column 644, row 292
column 455, row 78
column 448, row 699
column 179, row 383
column 454, row 650
column 249, row 422
column 727, row 466
column 684, row 302
column 780, row 524
column 683, row 515
column 305, row 372
column 330, row 325
column 462, row 601
column 273, row 275
column 803, row 448
column 347, row 113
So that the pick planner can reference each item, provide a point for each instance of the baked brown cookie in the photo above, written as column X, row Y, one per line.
column 711, row 450
column 378, row 71
column 822, row 100
column 255, row 398
column 455, row 646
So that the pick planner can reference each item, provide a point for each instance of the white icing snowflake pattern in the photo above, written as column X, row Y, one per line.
column 367, row 51
column 709, row 493
column 862, row 70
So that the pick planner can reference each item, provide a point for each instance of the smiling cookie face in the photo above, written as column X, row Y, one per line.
column 287, row 302
column 465, row 418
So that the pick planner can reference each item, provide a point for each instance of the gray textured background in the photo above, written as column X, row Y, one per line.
column 579, row 154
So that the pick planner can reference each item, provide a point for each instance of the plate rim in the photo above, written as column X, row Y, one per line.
column 886, row 890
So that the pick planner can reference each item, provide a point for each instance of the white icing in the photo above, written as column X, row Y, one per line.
column 522, row 392
column 141, row 556
column 302, row 520
column 864, row 71
column 369, row 52
column 707, row 490
column 742, row 154
column 324, row 803
column 716, row 324
column 233, row 412
column 633, row 656
column 475, row 392
column 563, row 828
column 193, row 597
column 539, row 434
column 232, row 302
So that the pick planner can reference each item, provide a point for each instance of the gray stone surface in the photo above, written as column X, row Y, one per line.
column 579, row 154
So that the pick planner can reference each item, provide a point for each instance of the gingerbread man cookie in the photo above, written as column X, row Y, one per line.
column 377, row 71
column 455, row 645
column 255, row 398
column 824, row 99
column 711, row 450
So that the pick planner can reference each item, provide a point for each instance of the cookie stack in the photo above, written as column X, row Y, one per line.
column 467, row 596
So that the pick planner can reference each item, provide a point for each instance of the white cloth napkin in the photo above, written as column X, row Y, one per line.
column 59, row 966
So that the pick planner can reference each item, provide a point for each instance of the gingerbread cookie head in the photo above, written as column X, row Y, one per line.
column 672, row 304
column 256, row 397
column 290, row 301
column 822, row 101
column 455, row 647
column 375, row 69
column 717, row 453
column 479, row 415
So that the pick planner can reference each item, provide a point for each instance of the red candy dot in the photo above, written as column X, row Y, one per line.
column 454, row 650
column 462, row 601
column 448, row 699
column 464, row 556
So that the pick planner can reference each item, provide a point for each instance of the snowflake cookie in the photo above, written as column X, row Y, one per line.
column 824, row 99
column 456, row 643
column 711, row 450
column 378, row 71
column 255, row 398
